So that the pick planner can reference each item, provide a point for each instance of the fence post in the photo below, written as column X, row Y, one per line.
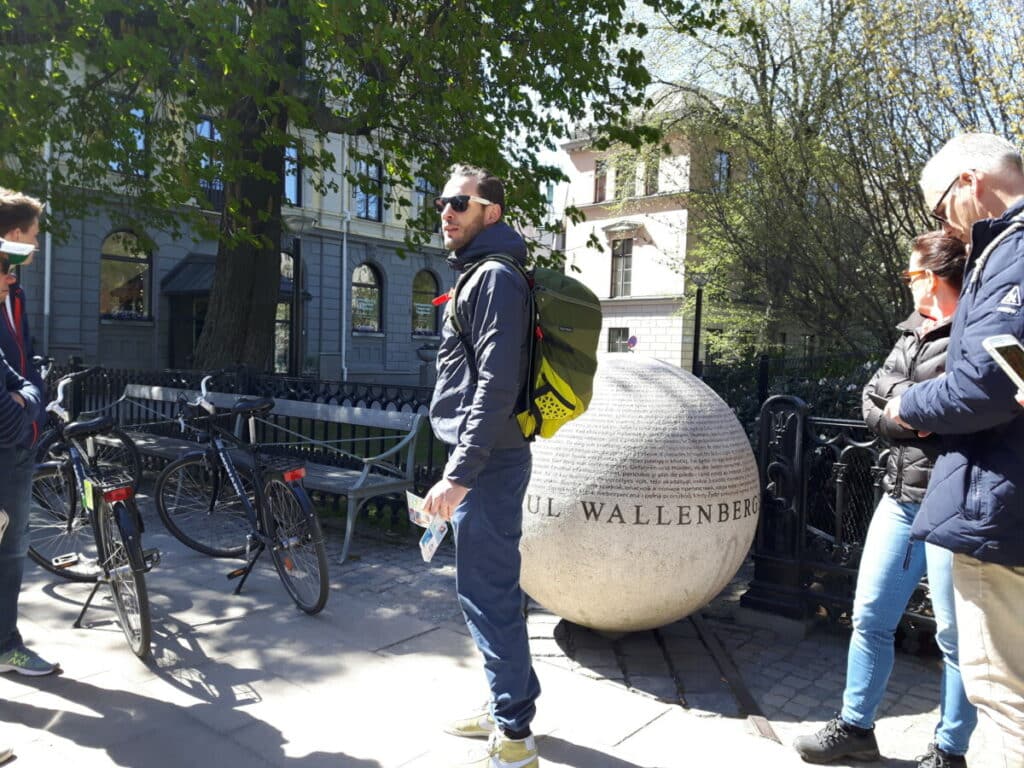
column 77, row 394
column 762, row 379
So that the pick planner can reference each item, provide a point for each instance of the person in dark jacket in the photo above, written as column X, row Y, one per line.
column 19, row 227
column 892, row 563
column 19, row 223
column 480, row 375
column 974, row 506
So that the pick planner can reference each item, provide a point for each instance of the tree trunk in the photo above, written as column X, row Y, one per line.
column 239, row 327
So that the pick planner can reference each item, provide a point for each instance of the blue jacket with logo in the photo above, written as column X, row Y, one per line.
column 16, row 427
column 975, row 501
column 16, row 345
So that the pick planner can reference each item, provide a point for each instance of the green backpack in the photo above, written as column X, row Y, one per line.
column 563, row 346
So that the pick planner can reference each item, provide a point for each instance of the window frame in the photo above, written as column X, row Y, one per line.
column 141, row 149
column 721, row 170
column 622, row 267
column 600, row 181
column 378, row 286
column 364, row 199
column 292, row 176
column 435, row 311
column 213, row 188
column 620, row 342
column 128, row 316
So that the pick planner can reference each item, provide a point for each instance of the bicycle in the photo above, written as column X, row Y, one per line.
column 226, row 509
column 111, row 449
column 55, row 528
column 103, row 503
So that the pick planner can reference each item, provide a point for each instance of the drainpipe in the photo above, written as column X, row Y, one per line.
column 346, row 220
column 48, row 237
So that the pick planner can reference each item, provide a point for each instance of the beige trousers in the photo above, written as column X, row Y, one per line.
column 990, row 623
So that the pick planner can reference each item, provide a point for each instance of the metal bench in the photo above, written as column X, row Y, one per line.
column 365, row 469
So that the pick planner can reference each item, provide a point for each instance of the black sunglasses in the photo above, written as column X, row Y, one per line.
column 459, row 203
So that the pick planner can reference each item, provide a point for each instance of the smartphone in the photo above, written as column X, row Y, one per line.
column 1009, row 353
column 878, row 400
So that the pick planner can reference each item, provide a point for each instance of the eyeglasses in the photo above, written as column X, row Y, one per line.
column 908, row 276
column 459, row 203
column 941, row 217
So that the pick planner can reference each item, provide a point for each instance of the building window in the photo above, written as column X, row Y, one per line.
column 292, row 177
column 424, row 313
column 720, row 172
column 622, row 267
column 651, row 169
column 368, row 192
column 210, row 180
column 618, row 339
column 125, row 268
column 600, row 181
column 426, row 193
column 366, row 300
column 133, row 147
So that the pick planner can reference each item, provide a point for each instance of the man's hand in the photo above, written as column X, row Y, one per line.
column 892, row 412
column 1019, row 397
column 443, row 498
column 17, row 398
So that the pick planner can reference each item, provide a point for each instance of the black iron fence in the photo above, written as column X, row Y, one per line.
column 104, row 386
column 821, row 479
column 831, row 383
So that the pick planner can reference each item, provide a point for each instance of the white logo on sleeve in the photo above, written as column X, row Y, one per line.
column 1012, row 298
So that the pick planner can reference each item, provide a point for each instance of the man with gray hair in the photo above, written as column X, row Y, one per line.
column 974, row 505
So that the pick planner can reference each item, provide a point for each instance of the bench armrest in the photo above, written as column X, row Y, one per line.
column 406, row 444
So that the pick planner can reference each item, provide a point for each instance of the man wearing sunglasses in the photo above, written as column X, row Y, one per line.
column 19, row 229
column 481, row 372
column 974, row 505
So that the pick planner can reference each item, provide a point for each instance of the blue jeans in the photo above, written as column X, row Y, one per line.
column 16, row 465
column 488, row 525
column 890, row 569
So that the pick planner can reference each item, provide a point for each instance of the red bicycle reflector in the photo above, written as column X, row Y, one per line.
column 294, row 474
column 118, row 494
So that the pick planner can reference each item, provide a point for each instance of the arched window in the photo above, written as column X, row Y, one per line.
column 424, row 313
column 125, row 277
column 366, row 300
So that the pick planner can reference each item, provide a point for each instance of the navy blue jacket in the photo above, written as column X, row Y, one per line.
column 16, row 345
column 476, row 413
column 16, row 427
column 975, row 501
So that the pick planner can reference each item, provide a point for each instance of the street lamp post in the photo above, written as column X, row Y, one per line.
column 700, row 281
column 298, row 223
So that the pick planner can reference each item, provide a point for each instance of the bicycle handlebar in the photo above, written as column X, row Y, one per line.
column 55, row 406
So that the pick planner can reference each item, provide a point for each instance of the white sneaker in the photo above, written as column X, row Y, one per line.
column 503, row 752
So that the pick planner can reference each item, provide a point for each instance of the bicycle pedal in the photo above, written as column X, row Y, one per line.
column 238, row 572
column 65, row 561
column 151, row 557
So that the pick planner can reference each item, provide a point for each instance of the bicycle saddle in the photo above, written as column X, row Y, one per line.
column 258, row 405
column 89, row 427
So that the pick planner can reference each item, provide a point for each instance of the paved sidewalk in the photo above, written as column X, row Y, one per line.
column 248, row 680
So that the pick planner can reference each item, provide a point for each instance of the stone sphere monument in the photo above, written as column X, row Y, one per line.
column 640, row 511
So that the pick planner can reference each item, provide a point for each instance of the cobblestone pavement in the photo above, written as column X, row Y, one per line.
column 796, row 682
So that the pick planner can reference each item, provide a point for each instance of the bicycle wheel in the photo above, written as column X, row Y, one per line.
column 61, row 538
column 296, row 544
column 128, row 587
column 200, row 506
column 113, row 449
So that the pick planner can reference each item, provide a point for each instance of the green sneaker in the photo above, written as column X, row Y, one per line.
column 503, row 752
column 25, row 662
column 477, row 726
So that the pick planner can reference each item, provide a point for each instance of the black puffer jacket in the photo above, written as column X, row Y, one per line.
column 917, row 356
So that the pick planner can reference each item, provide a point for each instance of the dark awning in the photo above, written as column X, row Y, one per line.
column 193, row 276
